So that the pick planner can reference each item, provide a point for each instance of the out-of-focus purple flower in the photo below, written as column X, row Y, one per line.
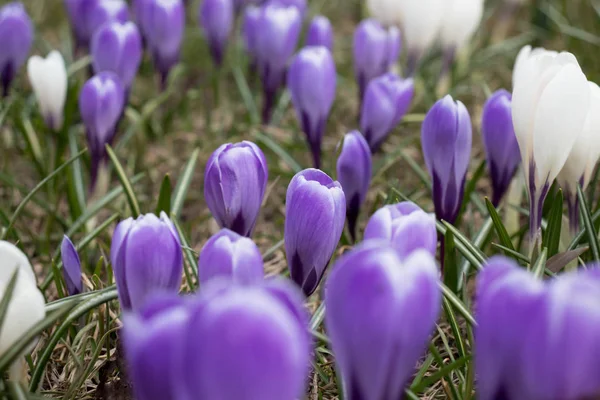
column 320, row 33
column 551, row 350
column 380, row 225
column 163, row 24
column 216, row 18
column 275, row 43
column 117, row 47
column 315, row 210
column 311, row 81
column 413, row 232
column 257, row 334
column 16, row 36
column 152, row 338
column 101, row 104
column 230, row 255
column 446, row 137
column 500, row 142
column 380, row 312
column 301, row 5
column 105, row 11
column 235, row 181
column 71, row 267
column 386, row 101
column 79, row 12
column 354, row 166
column 375, row 49
column 250, row 25
column 146, row 258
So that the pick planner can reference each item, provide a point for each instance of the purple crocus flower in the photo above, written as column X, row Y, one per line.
column 105, row 11
column 320, row 33
column 79, row 12
column 379, row 314
column 550, row 350
column 446, row 137
column 71, row 266
column 380, row 225
column 301, row 5
column 163, row 24
column 250, row 25
column 275, row 43
column 415, row 231
column 386, row 101
column 216, row 18
column 374, row 49
column 315, row 210
column 117, row 47
column 16, row 36
column 500, row 142
column 257, row 334
column 101, row 104
column 146, row 258
column 354, row 166
column 235, row 181
column 231, row 255
column 311, row 81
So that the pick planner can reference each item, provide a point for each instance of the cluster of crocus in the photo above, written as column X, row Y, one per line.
column 16, row 36
column 86, row 16
column 549, row 349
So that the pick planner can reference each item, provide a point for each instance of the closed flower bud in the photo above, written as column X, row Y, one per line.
column 413, row 232
column 250, row 26
column 380, row 225
column 311, row 81
column 106, row 11
column 146, row 258
column 235, row 181
column 320, row 33
column 228, row 254
column 379, row 313
column 375, row 48
column 101, row 104
column 71, row 267
column 460, row 20
column 117, row 47
column 386, row 101
column 354, row 169
column 257, row 334
column 48, row 77
column 16, row 36
column 315, row 210
column 551, row 99
column 78, row 12
column 275, row 43
column 216, row 19
column 446, row 137
column 299, row 4
column 500, row 143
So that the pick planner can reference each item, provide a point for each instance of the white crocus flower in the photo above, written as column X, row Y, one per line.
column 549, row 108
column 524, row 55
column 460, row 20
column 26, row 307
column 387, row 12
column 48, row 77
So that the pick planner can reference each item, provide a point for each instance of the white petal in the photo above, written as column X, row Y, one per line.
column 521, row 59
column 12, row 258
column 461, row 19
column 48, row 78
column 421, row 21
column 592, row 130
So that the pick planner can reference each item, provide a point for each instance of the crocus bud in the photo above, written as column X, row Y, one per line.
column 235, row 180
column 551, row 98
column 79, row 12
column 374, row 48
column 380, row 225
column 16, row 36
column 71, row 267
column 354, row 167
column 311, row 81
column 582, row 160
column 216, row 18
column 299, row 4
column 315, row 210
column 416, row 231
column 152, row 339
column 320, row 33
column 146, row 258
column 106, row 11
column 250, row 26
column 500, row 143
column 376, row 351
column 25, row 308
column 163, row 22
column 48, row 77
column 275, row 41
column 386, row 101
column 101, row 104
column 446, row 137
column 270, row 352
column 230, row 255
column 117, row 47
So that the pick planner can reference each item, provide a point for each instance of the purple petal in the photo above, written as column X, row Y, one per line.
column 381, row 223
column 16, row 36
column 416, row 231
column 216, row 17
column 320, row 33
column 71, row 266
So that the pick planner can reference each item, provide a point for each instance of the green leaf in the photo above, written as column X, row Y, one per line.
column 191, row 258
column 246, row 94
column 470, row 189
column 441, row 373
column 451, row 273
column 279, row 151
column 589, row 225
column 540, row 264
column 8, row 292
column 459, row 305
column 561, row 260
column 551, row 237
column 499, row 226
column 183, row 184
column 164, row 197
column 75, row 186
column 512, row 253
column 466, row 248
column 129, row 193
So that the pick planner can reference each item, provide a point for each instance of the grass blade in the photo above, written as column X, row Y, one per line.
column 459, row 305
column 131, row 199
column 551, row 237
column 499, row 226
column 164, row 197
column 8, row 292
column 183, row 185
column 588, row 223
column 540, row 264
column 278, row 150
